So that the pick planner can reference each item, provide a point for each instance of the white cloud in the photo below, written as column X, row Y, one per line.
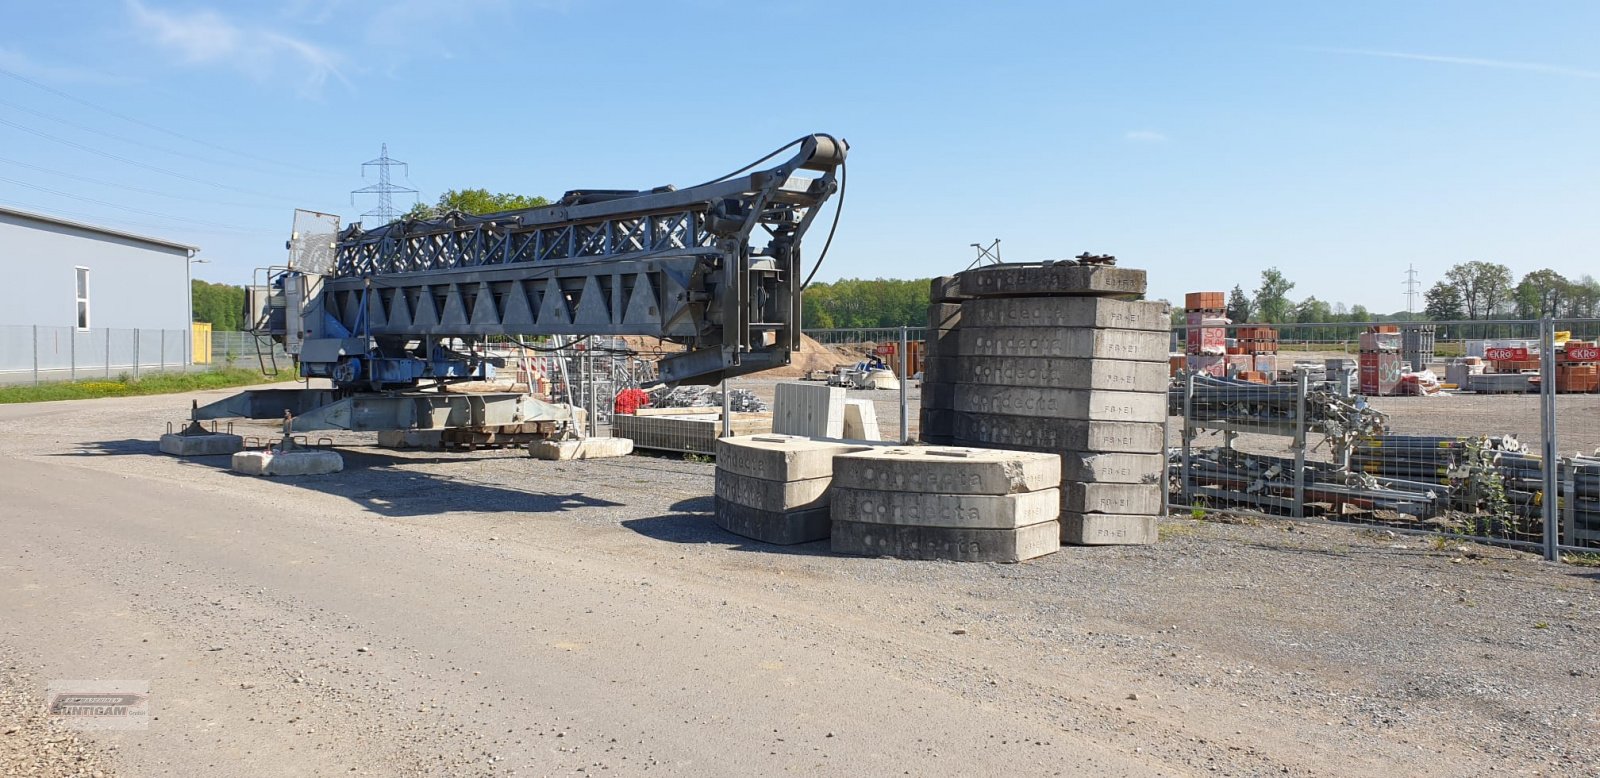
column 205, row 37
column 1533, row 67
column 1144, row 136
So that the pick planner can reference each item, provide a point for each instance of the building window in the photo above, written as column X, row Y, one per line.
column 83, row 297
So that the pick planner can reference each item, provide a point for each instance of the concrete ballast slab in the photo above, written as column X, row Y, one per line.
column 946, row 289
column 304, row 461
column 211, row 444
column 959, row 545
column 1114, row 468
column 1057, row 342
column 947, row 470
column 1045, row 434
column 1101, row 312
column 1135, row 499
column 778, row 527
column 1025, row 280
column 1063, row 373
column 586, row 448
column 1089, row 404
column 1106, row 529
column 811, row 410
column 780, row 457
column 977, row 511
column 772, row 495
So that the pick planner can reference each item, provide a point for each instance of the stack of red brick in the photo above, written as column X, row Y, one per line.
column 1206, row 341
column 1578, row 368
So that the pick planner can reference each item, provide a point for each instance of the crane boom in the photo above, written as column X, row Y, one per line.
column 714, row 267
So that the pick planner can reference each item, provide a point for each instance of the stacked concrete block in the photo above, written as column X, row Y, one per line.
column 775, row 488
column 1054, row 358
column 861, row 420
column 939, row 367
column 808, row 410
column 958, row 504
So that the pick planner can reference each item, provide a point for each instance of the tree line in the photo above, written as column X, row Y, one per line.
column 1468, row 291
column 220, row 305
column 855, row 303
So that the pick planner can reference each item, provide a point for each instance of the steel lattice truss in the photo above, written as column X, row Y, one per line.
column 676, row 264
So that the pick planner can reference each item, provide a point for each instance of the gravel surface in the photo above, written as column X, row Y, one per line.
column 33, row 745
column 483, row 614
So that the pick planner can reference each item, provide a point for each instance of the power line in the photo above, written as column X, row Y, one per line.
column 1411, row 289
column 385, row 190
column 97, row 218
column 131, row 141
column 140, row 190
column 135, row 163
column 157, row 128
column 129, row 209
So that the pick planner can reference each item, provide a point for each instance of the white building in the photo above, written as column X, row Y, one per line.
column 83, row 301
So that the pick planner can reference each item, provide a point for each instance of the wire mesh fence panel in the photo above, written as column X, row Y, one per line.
column 40, row 354
column 1421, row 426
column 1576, row 417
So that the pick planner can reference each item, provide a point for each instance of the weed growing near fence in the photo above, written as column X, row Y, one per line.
column 126, row 386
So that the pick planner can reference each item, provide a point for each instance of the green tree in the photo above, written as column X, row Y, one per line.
column 1272, row 297
column 1542, row 293
column 220, row 305
column 1584, row 297
column 1240, row 306
column 1443, row 301
column 475, row 201
column 1313, row 311
column 1485, row 287
column 857, row 303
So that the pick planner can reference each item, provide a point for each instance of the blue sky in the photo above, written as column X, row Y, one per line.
column 1201, row 141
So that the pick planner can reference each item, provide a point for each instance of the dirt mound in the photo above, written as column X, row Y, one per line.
column 810, row 356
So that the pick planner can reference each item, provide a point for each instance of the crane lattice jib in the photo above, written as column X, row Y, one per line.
column 679, row 264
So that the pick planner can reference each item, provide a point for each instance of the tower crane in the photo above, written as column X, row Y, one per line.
column 387, row 314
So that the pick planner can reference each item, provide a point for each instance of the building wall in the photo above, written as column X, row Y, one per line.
column 132, row 284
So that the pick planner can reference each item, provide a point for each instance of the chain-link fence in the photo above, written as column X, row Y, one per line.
column 38, row 354
column 1440, row 427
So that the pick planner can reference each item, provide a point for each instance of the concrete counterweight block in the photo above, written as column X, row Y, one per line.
column 1107, row 529
column 776, row 488
column 587, row 448
column 301, row 461
column 957, row 504
column 209, row 444
column 809, row 410
column 1052, row 280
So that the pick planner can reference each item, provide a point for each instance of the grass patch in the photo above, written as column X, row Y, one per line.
column 1170, row 530
column 125, row 386
column 1581, row 559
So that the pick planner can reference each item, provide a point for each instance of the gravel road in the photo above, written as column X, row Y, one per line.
column 484, row 614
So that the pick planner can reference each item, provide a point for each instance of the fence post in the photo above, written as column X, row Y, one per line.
column 108, row 353
column 136, row 339
column 1302, row 384
column 1549, row 464
column 1188, row 416
column 1569, row 508
column 163, row 351
column 35, row 355
column 72, row 337
column 905, row 408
